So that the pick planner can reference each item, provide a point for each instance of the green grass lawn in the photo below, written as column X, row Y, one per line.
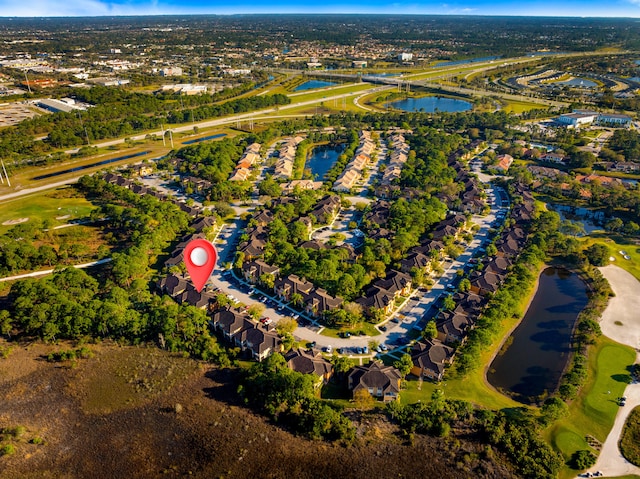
column 367, row 328
column 335, row 90
column 472, row 388
column 45, row 206
column 617, row 243
column 594, row 411
column 514, row 106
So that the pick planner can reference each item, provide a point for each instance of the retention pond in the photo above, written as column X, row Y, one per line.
column 536, row 354
column 322, row 159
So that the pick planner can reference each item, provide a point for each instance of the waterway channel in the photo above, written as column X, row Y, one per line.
column 539, row 348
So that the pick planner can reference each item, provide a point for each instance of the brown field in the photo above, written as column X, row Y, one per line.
column 131, row 413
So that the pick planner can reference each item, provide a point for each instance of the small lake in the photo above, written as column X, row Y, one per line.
column 579, row 83
column 322, row 159
column 313, row 84
column 540, row 347
column 431, row 104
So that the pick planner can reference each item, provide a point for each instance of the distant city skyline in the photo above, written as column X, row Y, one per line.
column 569, row 8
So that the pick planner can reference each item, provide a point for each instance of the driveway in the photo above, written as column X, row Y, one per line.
column 622, row 308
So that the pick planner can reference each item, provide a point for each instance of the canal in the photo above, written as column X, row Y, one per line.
column 540, row 347
column 85, row 167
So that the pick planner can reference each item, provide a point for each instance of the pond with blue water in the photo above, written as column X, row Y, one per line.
column 540, row 347
column 314, row 84
column 431, row 104
column 579, row 83
column 322, row 159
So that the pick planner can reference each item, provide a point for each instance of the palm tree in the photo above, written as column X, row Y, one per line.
column 296, row 299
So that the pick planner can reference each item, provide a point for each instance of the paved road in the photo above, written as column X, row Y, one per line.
column 49, row 186
column 49, row 271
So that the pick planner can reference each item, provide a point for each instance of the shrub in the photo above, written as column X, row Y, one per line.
column 630, row 441
column 582, row 459
column 7, row 450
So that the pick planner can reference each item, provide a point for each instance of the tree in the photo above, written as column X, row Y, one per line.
column 572, row 228
column 286, row 325
column 256, row 310
column 268, row 280
column 582, row 459
column 270, row 187
column 341, row 364
column 465, row 285
column 239, row 260
column 553, row 409
column 363, row 400
column 430, row 330
column 5, row 322
column 404, row 365
column 614, row 225
column 298, row 232
column 448, row 303
column 597, row 254
column 296, row 299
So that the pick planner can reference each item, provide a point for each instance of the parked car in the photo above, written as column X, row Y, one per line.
column 328, row 348
column 382, row 328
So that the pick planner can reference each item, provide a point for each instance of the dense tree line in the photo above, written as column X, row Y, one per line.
column 71, row 304
column 240, row 105
column 118, row 113
column 288, row 398
column 626, row 142
column 515, row 433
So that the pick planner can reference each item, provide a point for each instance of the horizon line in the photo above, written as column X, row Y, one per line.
column 470, row 15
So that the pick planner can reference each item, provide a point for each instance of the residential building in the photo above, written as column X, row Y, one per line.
column 430, row 358
column 306, row 362
column 378, row 380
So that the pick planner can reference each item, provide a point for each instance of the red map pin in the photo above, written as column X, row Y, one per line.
column 200, row 256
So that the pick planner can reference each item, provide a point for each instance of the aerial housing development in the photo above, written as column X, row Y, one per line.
column 368, row 237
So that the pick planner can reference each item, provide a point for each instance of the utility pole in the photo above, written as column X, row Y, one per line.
column 5, row 173
column 26, row 78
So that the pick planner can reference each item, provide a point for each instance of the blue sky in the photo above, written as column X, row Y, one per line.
column 574, row 8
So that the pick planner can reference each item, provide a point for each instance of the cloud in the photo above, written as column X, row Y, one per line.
column 61, row 8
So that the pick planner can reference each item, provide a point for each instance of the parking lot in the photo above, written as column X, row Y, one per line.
column 14, row 113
